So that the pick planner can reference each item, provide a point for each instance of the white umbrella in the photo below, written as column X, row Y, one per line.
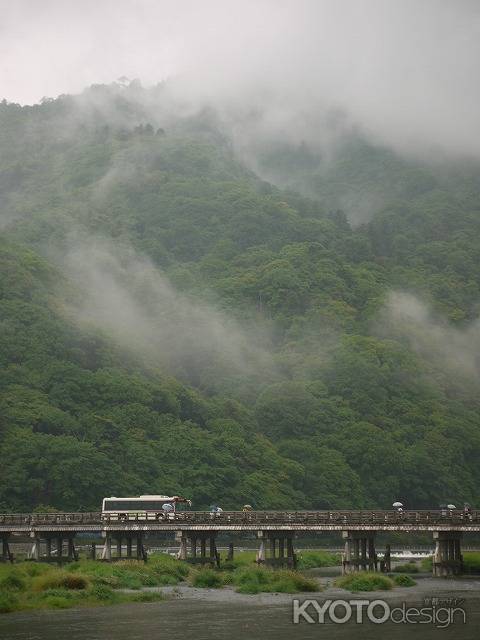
column 397, row 504
column 451, row 506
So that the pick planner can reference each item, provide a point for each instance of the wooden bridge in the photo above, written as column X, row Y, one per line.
column 276, row 531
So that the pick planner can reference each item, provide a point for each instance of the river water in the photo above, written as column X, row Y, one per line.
column 194, row 614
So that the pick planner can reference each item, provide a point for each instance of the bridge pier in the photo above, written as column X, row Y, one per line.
column 47, row 537
column 206, row 540
column 281, row 551
column 130, row 538
column 447, row 559
column 359, row 554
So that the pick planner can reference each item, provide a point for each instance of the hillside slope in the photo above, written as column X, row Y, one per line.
column 193, row 328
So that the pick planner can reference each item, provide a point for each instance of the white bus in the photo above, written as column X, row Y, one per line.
column 144, row 507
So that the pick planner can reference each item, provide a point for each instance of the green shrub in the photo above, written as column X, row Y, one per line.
column 261, row 579
column 8, row 602
column 13, row 582
column 60, row 579
column 207, row 578
column 427, row 563
column 162, row 564
column 409, row 567
column 364, row 581
column 129, row 580
column 102, row 592
column 402, row 580
column 109, row 581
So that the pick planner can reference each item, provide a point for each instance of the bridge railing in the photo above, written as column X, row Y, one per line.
column 346, row 518
column 50, row 518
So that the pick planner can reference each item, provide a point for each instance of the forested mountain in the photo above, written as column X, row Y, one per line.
column 173, row 321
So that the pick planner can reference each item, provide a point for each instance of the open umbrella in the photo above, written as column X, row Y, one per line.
column 397, row 505
column 451, row 506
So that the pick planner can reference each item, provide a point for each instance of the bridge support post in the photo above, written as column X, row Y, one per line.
column 6, row 555
column 59, row 548
column 93, row 551
column 34, row 553
column 447, row 559
column 129, row 546
column 230, row 552
column 359, row 553
column 183, row 551
column 107, row 547
column 141, row 555
column 119, row 546
column 261, row 553
column 71, row 551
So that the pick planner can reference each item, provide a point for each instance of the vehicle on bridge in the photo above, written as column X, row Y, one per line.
column 155, row 507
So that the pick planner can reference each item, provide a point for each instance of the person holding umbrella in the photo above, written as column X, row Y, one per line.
column 467, row 511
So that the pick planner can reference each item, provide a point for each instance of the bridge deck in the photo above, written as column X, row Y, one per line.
column 302, row 521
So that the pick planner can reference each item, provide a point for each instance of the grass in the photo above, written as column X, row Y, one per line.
column 262, row 579
column 314, row 559
column 408, row 567
column 471, row 561
column 365, row 581
column 240, row 559
column 402, row 580
column 60, row 579
column 207, row 579
column 30, row 585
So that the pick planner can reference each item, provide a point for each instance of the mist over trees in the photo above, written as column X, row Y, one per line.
column 173, row 321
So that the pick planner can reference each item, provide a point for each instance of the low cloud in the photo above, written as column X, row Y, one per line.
column 127, row 297
column 405, row 71
column 448, row 348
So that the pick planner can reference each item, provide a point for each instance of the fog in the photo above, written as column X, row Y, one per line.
column 454, row 351
column 404, row 71
column 130, row 300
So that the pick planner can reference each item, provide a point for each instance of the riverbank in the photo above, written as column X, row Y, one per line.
column 34, row 585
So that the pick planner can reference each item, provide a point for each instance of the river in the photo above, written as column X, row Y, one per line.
column 194, row 614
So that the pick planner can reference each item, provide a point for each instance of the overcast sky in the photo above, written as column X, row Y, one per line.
column 408, row 70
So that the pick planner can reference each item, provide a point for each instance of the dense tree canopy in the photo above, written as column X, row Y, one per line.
column 349, row 405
